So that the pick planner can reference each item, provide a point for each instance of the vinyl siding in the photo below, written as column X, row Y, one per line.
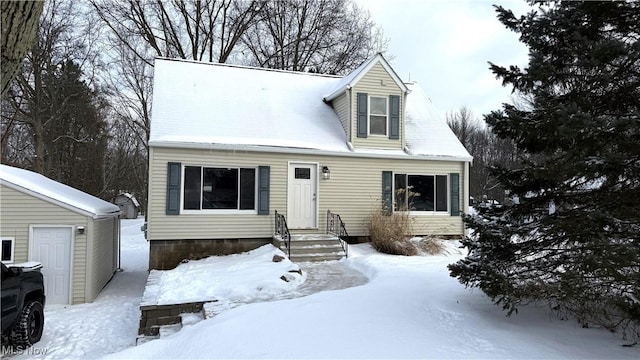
column 103, row 248
column 354, row 189
column 371, row 83
column 341, row 106
column 19, row 210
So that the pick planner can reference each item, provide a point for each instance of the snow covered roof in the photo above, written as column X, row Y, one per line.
column 53, row 191
column 208, row 105
column 426, row 132
column 130, row 197
column 352, row 78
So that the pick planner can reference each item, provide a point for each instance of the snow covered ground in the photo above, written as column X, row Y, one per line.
column 409, row 308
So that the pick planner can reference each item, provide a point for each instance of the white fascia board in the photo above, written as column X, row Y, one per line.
column 301, row 151
column 56, row 202
column 377, row 59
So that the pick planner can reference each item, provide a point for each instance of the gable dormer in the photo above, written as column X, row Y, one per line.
column 370, row 104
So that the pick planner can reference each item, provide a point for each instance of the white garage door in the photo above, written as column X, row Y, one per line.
column 52, row 247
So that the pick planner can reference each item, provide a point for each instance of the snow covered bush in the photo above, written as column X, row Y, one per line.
column 391, row 233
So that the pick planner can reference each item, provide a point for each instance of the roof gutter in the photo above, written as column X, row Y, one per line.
column 302, row 151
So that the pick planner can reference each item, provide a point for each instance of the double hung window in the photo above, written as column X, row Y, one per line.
column 378, row 115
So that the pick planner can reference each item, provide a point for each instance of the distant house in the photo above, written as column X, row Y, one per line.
column 129, row 206
column 73, row 234
column 230, row 145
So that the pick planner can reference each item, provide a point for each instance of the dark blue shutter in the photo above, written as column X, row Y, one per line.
column 387, row 190
column 362, row 115
column 394, row 120
column 173, row 188
column 454, row 178
column 263, row 190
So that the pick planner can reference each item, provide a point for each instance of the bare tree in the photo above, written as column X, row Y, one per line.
column 487, row 150
column 52, row 119
column 331, row 36
column 19, row 30
column 205, row 30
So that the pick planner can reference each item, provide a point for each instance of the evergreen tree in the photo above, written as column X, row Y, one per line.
column 571, row 238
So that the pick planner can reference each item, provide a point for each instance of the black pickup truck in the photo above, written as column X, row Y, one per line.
column 22, row 306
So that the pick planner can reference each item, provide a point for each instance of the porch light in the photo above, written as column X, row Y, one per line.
column 326, row 173
column 80, row 230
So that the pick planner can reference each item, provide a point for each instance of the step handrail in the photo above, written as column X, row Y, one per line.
column 282, row 230
column 335, row 226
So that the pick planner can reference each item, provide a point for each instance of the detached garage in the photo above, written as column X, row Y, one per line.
column 73, row 234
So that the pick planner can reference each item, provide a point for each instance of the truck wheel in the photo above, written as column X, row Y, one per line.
column 29, row 325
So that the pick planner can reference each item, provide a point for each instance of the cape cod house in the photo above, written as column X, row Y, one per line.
column 230, row 146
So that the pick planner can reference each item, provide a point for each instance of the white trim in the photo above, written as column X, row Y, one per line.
column 386, row 115
column 71, row 255
column 300, row 151
column 48, row 199
column 12, row 255
column 363, row 71
column 316, row 185
column 202, row 211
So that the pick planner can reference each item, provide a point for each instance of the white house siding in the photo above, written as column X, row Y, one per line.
column 355, row 188
column 371, row 83
column 19, row 210
column 103, row 245
column 341, row 106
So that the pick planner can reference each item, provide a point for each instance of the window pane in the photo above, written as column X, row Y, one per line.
column 378, row 106
column 220, row 188
column 192, row 188
column 378, row 125
column 247, row 189
column 302, row 173
column 401, row 192
column 421, row 188
column 441, row 193
column 6, row 250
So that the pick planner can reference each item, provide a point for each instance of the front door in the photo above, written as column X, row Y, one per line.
column 302, row 197
column 52, row 248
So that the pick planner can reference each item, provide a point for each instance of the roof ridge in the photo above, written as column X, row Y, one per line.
column 247, row 67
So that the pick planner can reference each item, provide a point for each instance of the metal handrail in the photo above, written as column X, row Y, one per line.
column 282, row 230
column 336, row 227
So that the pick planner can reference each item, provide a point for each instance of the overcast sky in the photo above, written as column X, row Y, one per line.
column 445, row 45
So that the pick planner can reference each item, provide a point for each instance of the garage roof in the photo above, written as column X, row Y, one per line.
column 49, row 190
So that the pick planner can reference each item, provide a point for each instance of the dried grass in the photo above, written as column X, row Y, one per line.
column 430, row 245
column 391, row 234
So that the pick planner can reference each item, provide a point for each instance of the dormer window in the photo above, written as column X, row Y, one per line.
column 378, row 115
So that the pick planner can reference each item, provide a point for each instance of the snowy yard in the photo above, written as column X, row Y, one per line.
column 409, row 308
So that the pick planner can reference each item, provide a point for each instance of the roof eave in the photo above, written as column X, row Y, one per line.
column 57, row 202
column 302, row 151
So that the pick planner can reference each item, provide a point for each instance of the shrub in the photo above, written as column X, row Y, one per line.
column 391, row 234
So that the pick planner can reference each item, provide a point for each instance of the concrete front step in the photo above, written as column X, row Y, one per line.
column 314, row 247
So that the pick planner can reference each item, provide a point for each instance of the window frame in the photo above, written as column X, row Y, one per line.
column 435, row 192
column 202, row 211
column 386, row 115
column 12, row 256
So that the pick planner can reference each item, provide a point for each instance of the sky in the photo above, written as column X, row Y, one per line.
column 445, row 46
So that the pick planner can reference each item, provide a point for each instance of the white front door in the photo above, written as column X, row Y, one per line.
column 301, row 202
column 51, row 246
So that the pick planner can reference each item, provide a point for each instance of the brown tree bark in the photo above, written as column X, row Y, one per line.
column 19, row 29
